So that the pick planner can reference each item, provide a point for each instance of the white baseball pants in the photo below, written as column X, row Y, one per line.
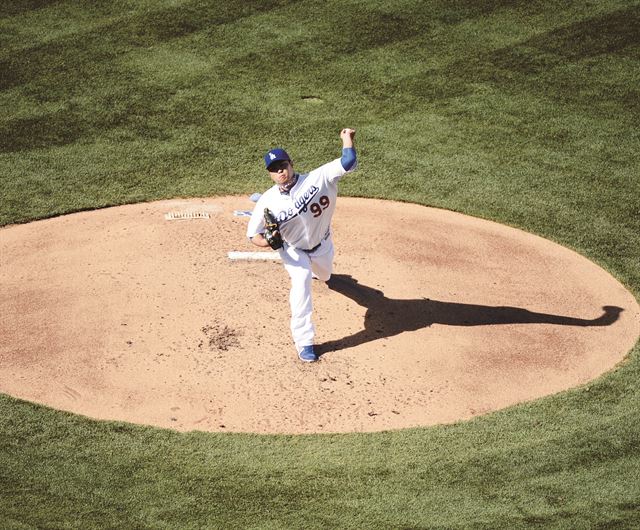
column 301, row 266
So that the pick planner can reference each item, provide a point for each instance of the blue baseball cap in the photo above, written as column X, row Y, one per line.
column 275, row 155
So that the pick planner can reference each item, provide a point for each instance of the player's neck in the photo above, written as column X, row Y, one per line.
column 286, row 188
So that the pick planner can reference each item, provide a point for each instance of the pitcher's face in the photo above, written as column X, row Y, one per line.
column 281, row 172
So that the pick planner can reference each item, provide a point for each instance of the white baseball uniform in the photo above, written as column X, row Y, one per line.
column 304, row 218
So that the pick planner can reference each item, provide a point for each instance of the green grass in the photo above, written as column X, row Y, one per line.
column 522, row 112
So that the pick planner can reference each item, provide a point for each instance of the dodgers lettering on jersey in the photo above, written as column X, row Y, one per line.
column 308, row 195
column 304, row 214
column 300, row 205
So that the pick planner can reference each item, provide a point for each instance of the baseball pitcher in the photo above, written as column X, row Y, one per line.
column 294, row 217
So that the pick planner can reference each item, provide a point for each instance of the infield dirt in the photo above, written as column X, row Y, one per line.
column 431, row 317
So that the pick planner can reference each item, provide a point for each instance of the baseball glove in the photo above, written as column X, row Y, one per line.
column 272, row 232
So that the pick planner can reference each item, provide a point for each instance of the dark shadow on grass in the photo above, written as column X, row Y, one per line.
column 526, row 65
column 386, row 317
column 11, row 8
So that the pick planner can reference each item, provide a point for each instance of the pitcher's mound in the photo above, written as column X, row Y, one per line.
column 132, row 314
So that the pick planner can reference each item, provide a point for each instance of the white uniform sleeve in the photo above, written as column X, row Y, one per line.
column 332, row 171
column 256, row 222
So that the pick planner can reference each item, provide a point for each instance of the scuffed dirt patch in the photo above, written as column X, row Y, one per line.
column 219, row 337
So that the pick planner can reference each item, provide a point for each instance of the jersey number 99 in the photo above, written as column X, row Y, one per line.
column 318, row 207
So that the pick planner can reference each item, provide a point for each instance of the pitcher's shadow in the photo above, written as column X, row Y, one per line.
column 386, row 317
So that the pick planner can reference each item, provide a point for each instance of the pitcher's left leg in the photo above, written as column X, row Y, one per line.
column 322, row 261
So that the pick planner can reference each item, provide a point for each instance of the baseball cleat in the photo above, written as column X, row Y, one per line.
column 307, row 354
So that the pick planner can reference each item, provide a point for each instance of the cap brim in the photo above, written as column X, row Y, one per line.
column 277, row 160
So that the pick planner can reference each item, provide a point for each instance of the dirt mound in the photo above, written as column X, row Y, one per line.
column 431, row 317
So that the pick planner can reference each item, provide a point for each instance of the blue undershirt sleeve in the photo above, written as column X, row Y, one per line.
column 348, row 158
